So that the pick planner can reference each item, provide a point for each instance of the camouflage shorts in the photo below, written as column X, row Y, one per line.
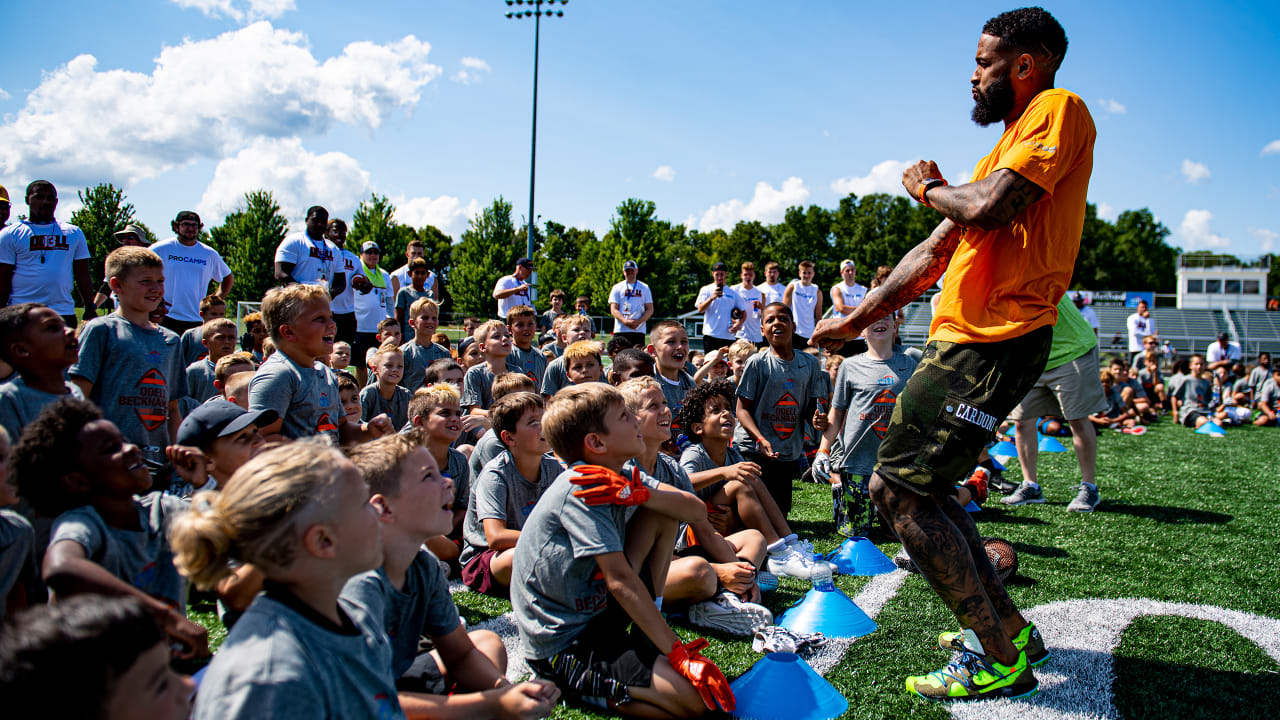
column 951, row 405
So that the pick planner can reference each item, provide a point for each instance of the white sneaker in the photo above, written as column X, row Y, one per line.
column 727, row 613
column 805, row 548
column 791, row 563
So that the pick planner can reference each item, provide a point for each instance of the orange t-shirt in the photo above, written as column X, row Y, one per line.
column 1004, row 283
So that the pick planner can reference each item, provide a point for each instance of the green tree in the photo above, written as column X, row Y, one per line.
column 488, row 251
column 874, row 230
column 374, row 219
column 103, row 213
column 1146, row 261
column 558, row 259
column 439, row 249
column 250, row 237
column 803, row 234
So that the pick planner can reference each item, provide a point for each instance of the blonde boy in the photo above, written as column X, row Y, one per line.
column 573, row 328
column 525, row 358
column 494, row 341
column 436, row 418
column 419, row 352
column 576, row 584
column 212, row 307
column 582, row 362
column 225, row 372
column 128, row 365
column 386, row 397
column 303, row 391
column 219, row 337
column 669, row 346
column 739, row 353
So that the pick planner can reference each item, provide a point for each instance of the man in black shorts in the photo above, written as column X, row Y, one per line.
column 1007, row 244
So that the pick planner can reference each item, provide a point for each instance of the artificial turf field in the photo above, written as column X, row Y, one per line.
column 1184, row 518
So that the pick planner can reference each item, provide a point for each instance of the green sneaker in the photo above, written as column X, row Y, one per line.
column 1028, row 639
column 972, row 677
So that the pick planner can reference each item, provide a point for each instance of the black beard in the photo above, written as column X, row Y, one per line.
column 995, row 104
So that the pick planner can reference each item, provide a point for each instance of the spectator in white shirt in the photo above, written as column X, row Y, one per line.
column 1223, row 353
column 40, row 257
column 723, row 310
column 514, row 289
column 190, row 267
column 1087, row 312
column 631, row 305
column 1141, row 324
column 308, row 257
column 753, row 298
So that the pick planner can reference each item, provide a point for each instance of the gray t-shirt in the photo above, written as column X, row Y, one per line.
column 408, row 296
column 372, row 404
column 531, row 363
column 279, row 662
column 141, row 558
column 867, row 389
column 674, row 392
column 554, row 377
column 135, row 372
column 1193, row 396
column 416, row 359
column 191, row 345
column 17, row 559
column 667, row 472
column 477, row 388
column 1270, row 394
column 200, row 379
column 488, row 447
column 556, row 585
column 459, row 471
column 1257, row 378
column 1133, row 384
column 20, row 403
column 695, row 459
column 306, row 397
column 424, row 606
column 500, row 492
column 782, row 392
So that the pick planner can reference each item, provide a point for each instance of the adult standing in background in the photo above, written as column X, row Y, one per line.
column 514, row 289
column 753, row 300
column 4, row 207
column 1141, row 324
column 372, row 305
column 631, row 305
column 41, row 257
column 772, row 290
column 846, row 294
column 190, row 266
column 308, row 257
column 723, row 310
column 343, row 304
column 1223, row 353
column 1087, row 313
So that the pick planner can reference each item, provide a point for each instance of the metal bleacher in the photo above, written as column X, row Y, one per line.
column 1258, row 330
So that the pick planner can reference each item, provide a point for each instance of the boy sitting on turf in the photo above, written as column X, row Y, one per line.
column 129, row 366
column 109, row 537
column 1192, row 396
column 781, row 390
column 630, row 364
column 421, row 351
column 219, row 338
column 573, row 328
column 191, row 343
column 583, row 572
column 436, row 419
column 113, row 647
column 721, row 477
column 463, row 674
column 387, row 396
column 582, row 362
column 494, row 341
column 1116, row 415
column 505, row 492
column 525, row 358
column 302, row 390
column 1152, row 380
column 1131, row 392
column 866, row 390
column 36, row 341
column 713, row 574
column 1269, row 400
column 488, row 445
column 669, row 346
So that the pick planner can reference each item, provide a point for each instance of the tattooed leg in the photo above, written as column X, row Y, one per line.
column 1007, row 612
column 941, row 552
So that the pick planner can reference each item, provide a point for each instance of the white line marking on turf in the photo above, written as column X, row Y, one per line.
column 872, row 600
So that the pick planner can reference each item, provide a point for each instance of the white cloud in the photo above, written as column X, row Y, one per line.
column 1112, row 106
column 445, row 212
column 766, row 205
column 1272, row 148
column 1107, row 212
column 665, row 173
column 1194, row 172
column 296, row 177
column 885, row 177
column 4, row 95
column 1195, row 233
column 239, row 10
column 204, row 99
column 472, row 68
column 1266, row 238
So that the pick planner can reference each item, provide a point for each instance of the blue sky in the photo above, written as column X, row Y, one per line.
column 716, row 111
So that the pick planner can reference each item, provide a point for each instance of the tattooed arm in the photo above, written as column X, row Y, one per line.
column 918, row 269
column 989, row 203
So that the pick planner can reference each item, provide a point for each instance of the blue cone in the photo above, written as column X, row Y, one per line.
column 781, row 686
column 860, row 556
column 1211, row 428
column 1009, row 432
column 999, row 465
column 1048, row 444
column 973, row 507
column 829, row 612
column 1005, row 448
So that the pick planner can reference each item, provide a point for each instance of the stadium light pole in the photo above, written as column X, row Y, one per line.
column 536, row 12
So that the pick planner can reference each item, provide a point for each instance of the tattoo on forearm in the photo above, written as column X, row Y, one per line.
column 918, row 269
column 989, row 203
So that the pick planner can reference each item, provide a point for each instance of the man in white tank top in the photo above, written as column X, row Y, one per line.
column 846, row 294
column 805, row 300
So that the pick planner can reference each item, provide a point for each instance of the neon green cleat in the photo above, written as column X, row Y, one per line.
column 972, row 677
column 1028, row 639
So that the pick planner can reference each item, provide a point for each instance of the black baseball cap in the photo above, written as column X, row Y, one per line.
column 219, row 418
column 525, row 262
column 719, row 266
column 186, row 215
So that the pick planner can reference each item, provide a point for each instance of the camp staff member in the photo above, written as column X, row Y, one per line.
column 39, row 258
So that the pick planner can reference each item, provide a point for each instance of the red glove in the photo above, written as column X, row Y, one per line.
column 602, row 486
column 702, row 673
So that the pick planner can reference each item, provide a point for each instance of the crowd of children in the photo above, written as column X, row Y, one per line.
column 325, row 492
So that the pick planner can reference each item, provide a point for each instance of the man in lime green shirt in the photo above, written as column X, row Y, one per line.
column 1068, row 388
